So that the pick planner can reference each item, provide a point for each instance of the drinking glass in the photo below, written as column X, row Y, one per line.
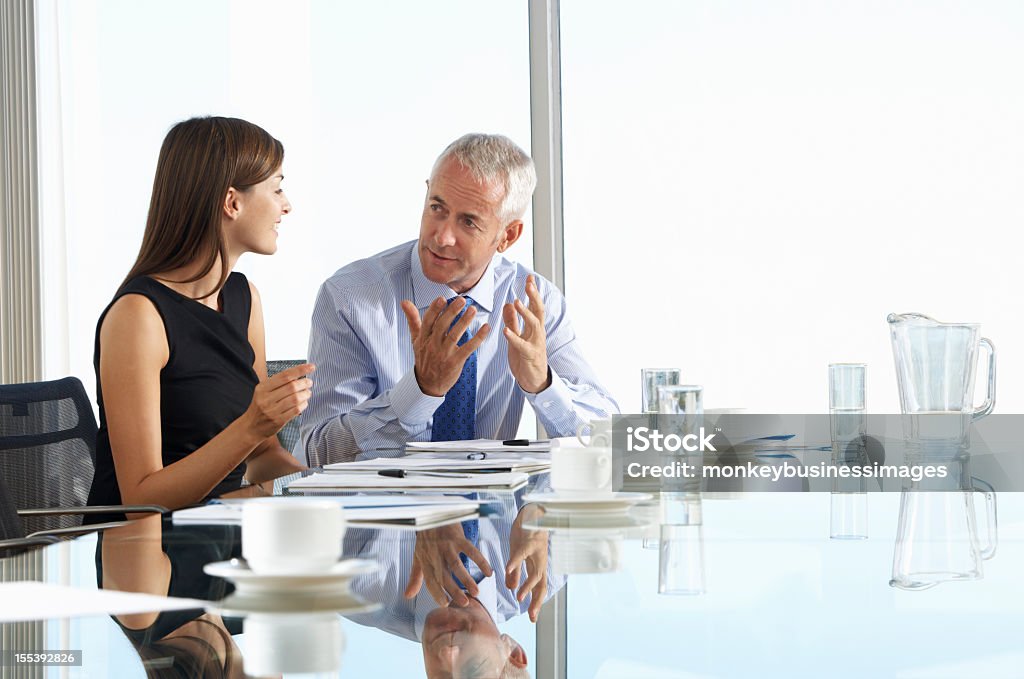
column 650, row 380
column 849, row 507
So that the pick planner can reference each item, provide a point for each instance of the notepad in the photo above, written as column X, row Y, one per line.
column 357, row 481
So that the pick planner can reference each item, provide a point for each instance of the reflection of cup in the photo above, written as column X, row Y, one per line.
column 576, row 554
column 581, row 469
column 291, row 536
column 595, row 433
column 292, row 643
column 937, row 540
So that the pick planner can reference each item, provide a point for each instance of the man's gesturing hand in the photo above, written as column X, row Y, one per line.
column 529, row 548
column 527, row 350
column 436, row 563
column 439, row 358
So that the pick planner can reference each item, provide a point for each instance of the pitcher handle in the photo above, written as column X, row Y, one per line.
column 991, row 520
column 990, row 398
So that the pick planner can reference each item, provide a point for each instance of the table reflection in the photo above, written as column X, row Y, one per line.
column 146, row 556
column 416, row 586
column 421, row 600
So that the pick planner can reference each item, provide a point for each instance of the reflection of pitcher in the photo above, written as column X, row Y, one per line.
column 935, row 365
column 938, row 538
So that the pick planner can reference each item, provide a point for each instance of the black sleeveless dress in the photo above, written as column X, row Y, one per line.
column 207, row 383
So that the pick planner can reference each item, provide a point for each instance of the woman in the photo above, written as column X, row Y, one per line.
column 186, row 407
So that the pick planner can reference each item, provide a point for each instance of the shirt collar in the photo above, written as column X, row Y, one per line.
column 426, row 291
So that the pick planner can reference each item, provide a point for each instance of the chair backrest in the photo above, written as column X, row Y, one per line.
column 47, row 448
column 10, row 523
column 289, row 434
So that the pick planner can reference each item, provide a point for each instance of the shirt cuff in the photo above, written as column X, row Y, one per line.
column 553, row 404
column 410, row 404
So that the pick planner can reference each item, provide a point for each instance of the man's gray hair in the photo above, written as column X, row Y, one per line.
column 493, row 158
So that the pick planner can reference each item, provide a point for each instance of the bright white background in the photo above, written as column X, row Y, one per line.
column 751, row 187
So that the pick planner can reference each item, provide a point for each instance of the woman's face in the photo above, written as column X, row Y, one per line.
column 259, row 210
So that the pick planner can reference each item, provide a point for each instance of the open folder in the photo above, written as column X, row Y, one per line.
column 363, row 481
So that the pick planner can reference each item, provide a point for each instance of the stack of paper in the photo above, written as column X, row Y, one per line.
column 361, row 481
column 362, row 511
column 448, row 462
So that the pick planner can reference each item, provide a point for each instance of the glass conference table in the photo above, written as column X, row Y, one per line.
column 770, row 594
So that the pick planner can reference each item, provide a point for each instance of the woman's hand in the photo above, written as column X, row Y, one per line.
column 278, row 399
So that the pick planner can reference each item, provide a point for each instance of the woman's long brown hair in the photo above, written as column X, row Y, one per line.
column 199, row 160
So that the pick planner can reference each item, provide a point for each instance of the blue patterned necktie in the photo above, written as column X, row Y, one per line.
column 471, row 529
column 455, row 419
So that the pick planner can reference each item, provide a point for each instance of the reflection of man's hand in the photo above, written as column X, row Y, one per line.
column 439, row 358
column 529, row 547
column 527, row 349
column 436, row 563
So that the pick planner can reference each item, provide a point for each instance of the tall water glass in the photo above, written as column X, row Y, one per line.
column 681, row 412
column 848, row 517
column 650, row 380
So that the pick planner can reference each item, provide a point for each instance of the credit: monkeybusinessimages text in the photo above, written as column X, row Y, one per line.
column 752, row 470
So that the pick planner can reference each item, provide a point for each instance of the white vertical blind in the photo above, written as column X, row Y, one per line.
column 20, row 354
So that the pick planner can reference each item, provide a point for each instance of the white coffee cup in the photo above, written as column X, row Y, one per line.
column 595, row 433
column 291, row 536
column 577, row 470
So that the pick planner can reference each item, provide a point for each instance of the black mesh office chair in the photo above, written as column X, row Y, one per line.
column 289, row 434
column 48, row 456
column 12, row 531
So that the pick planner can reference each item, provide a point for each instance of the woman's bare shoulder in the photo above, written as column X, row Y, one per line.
column 133, row 324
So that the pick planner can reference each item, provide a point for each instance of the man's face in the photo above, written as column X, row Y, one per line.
column 464, row 642
column 460, row 230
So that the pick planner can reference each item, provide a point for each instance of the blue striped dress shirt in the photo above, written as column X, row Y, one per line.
column 365, row 396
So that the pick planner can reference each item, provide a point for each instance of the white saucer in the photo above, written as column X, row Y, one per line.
column 606, row 501
column 240, row 605
column 246, row 582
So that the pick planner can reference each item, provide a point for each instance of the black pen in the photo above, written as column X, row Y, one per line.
column 403, row 474
column 523, row 442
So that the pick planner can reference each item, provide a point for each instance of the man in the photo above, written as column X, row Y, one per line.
column 404, row 340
